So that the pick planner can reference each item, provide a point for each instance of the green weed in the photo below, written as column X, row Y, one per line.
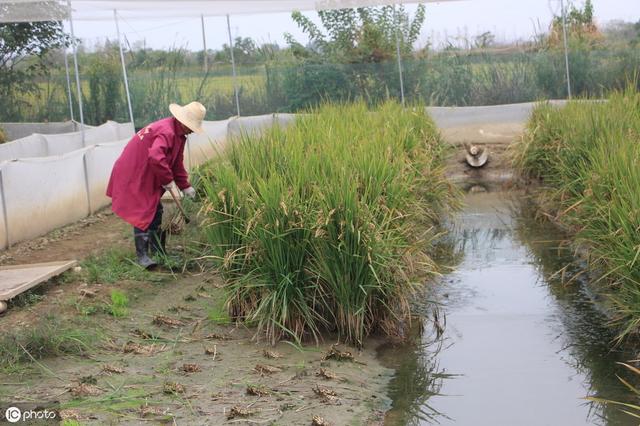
column 46, row 339
column 116, row 265
column 119, row 304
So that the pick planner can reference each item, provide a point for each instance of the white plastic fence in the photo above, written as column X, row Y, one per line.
column 40, row 145
column 13, row 131
column 42, row 193
column 65, row 182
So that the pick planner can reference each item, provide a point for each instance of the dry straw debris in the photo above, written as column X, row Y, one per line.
column 319, row 421
column 266, row 369
column 271, row 354
column 338, row 355
column 138, row 349
column 84, row 389
column 217, row 336
column 258, row 390
column 238, row 411
column 327, row 374
column 327, row 395
column 166, row 321
column 191, row 368
column 151, row 411
column 70, row 414
column 112, row 369
column 173, row 388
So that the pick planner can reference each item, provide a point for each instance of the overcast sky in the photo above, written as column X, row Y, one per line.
column 507, row 19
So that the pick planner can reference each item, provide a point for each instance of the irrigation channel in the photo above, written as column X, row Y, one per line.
column 520, row 346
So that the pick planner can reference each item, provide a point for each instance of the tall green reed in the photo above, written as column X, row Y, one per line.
column 587, row 155
column 323, row 225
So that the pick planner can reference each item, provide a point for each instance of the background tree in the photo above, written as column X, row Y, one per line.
column 245, row 51
column 362, row 35
column 23, row 49
column 581, row 27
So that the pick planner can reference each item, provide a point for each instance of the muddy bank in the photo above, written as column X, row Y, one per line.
column 175, row 355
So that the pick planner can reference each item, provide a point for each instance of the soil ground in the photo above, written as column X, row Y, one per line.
column 200, row 368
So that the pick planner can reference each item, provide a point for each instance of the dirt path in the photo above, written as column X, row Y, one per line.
column 174, row 355
column 80, row 240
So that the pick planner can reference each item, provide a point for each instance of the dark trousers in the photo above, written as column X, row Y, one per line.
column 155, row 223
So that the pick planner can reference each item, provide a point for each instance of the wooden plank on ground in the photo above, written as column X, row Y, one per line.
column 17, row 279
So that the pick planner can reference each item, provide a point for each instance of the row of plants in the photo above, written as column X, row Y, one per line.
column 448, row 78
column 326, row 225
column 586, row 154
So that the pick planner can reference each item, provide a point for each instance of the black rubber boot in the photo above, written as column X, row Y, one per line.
column 142, row 250
column 158, row 242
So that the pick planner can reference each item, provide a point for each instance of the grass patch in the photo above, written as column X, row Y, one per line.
column 49, row 338
column 115, row 265
column 119, row 304
column 218, row 314
column 586, row 154
column 323, row 225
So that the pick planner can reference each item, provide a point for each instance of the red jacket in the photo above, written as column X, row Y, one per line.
column 152, row 158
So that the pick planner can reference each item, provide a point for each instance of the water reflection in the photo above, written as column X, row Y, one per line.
column 523, row 343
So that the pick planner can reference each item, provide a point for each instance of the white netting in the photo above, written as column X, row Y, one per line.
column 99, row 161
column 57, row 144
column 30, row 146
column 61, row 144
column 88, row 10
column 42, row 194
column 4, row 236
column 13, row 131
column 201, row 147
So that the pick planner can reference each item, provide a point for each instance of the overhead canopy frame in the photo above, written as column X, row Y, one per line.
column 102, row 10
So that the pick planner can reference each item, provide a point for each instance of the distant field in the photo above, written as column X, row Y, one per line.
column 52, row 100
column 185, row 85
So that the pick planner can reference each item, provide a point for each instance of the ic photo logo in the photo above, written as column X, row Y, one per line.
column 13, row 414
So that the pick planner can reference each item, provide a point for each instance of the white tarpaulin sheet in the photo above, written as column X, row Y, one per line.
column 100, row 160
column 200, row 148
column 39, row 10
column 4, row 238
column 30, row 146
column 58, row 144
column 13, row 131
column 63, row 143
column 42, row 194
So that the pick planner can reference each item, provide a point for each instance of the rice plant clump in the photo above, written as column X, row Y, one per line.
column 323, row 225
column 587, row 155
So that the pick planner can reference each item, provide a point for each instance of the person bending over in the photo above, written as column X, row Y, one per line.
column 152, row 162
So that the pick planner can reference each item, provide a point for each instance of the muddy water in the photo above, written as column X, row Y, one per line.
column 520, row 346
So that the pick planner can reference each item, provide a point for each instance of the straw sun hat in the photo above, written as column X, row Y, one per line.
column 190, row 115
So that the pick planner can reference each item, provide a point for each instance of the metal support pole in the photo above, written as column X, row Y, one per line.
column 398, row 54
column 4, row 212
column 204, row 44
column 66, row 69
column 566, row 49
column 87, row 188
column 124, row 69
column 75, row 64
column 233, row 67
